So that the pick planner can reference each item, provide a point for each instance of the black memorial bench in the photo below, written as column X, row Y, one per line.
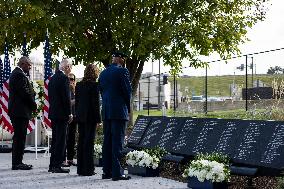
column 255, row 147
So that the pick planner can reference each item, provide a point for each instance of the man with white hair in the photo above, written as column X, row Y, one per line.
column 20, row 106
column 59, row 114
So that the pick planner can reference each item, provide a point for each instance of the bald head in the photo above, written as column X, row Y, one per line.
column 25, row 63
column 24, row 60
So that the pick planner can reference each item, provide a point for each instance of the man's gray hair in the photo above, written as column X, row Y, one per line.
column 65, row 62
column 23, row 60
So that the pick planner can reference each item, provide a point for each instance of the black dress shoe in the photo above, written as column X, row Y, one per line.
column 21, row 167
column 105, row 176
column 60, row 170
column 123, row 177
column 50, row 169
column 27, row 165
column 87, row 174
column 64, row 165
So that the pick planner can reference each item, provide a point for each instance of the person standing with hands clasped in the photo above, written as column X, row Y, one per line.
column 87, row 106
column 72, row 127
column 60, row 114
column 115, row 89
column 21, row 104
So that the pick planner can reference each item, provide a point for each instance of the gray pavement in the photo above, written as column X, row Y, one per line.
column 39, row 178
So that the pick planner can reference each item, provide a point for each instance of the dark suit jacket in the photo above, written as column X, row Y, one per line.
column 21, row 95
column 87, row 103
column 116, row 92
column 59, row 96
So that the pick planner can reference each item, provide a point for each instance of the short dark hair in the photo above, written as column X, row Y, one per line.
column 119, row 54
column 72, row 76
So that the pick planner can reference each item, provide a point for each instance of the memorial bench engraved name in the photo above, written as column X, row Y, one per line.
column 249, row 142
column 141, row 125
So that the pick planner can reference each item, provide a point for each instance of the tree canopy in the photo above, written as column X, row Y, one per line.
column 89, row 30
column 275, row 70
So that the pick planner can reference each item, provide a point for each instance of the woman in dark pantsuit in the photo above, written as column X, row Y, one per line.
column 88, row 117
column 72, row 127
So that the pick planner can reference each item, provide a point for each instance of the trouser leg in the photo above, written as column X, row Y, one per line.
column 19, row 139
column 107, row 149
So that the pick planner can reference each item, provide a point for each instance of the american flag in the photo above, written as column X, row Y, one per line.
column 47, row 75
column 5, row 94
column 1, row 89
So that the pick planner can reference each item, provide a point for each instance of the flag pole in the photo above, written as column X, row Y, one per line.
column 35, row 136
column 2, row 134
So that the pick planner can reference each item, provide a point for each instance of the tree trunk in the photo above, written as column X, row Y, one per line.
column 135, row 68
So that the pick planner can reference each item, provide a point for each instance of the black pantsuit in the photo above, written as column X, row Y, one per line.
column 86, row 148
column 87, row 109
column 70, row 145
column 19, row 139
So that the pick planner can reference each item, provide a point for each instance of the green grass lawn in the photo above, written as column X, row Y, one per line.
column 219, row 85
column 259, row 114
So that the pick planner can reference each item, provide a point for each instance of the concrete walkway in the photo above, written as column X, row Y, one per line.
column 39, row 178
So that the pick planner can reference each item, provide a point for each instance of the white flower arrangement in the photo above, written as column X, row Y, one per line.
column 39, row 99
column 205, row 169
column 142, row 159
column 98, row 151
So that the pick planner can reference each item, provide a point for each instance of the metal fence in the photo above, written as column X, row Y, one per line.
column 243, row 83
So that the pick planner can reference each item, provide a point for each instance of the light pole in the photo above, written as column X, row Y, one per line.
column 139, row 96
column 251, row 67
column 149, row 95
column 246, row 83
column 174, row 93
column 159, row 87
column 206, row 82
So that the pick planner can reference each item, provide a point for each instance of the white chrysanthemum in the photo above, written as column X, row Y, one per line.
column 142, row 159
column 209, row 170
column 98, row 151
column 38, row 98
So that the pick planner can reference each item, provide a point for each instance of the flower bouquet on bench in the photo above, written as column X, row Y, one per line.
column 208, row 171
column 144, row 162
column 98, row 155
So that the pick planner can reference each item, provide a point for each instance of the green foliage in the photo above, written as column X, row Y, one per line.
column 220, row 158
column 175, row 30
column 280, row 183
column 219, row 85
column 158, row 152
column 99, row 135
column 213, row 167
column 275, row 113
column 275, row 70
column 89, row 31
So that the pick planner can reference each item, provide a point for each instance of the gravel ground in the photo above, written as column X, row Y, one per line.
column 40, row 178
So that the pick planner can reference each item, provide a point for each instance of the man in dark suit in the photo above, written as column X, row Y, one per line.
column 59, row 114
column 115, row 89
column 20, row 106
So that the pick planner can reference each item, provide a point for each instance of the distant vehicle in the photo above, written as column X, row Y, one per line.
column 197, row 98
column 214, row 99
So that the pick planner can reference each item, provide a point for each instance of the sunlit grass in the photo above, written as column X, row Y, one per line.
column 254, row 114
